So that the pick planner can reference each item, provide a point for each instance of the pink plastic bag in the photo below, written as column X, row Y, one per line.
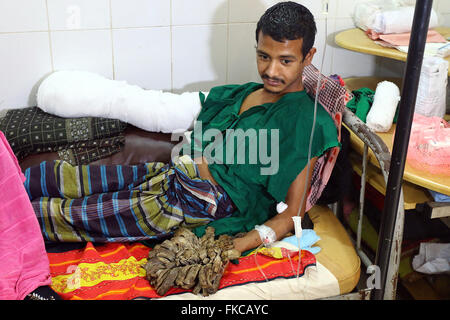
column 429, row 145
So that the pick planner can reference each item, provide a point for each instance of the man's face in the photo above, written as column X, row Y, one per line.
column 281, row 64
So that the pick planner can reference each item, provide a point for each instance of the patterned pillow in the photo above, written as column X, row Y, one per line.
column 77, row 140
column 333, row 97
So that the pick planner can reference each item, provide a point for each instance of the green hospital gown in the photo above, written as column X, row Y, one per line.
column 280, row 134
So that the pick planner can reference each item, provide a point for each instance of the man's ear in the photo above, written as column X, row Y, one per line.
column 309, row 56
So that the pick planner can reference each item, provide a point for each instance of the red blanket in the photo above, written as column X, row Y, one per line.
column 113, row 271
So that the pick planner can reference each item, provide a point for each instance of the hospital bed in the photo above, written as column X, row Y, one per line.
column 337, row 268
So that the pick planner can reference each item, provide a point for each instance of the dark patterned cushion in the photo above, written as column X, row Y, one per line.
column 31, row 130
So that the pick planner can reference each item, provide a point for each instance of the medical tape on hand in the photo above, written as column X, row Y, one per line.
column 266, row 234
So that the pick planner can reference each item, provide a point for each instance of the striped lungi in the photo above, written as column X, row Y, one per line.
column 118, row 203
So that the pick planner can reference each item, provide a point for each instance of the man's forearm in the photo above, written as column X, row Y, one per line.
column 281, row 224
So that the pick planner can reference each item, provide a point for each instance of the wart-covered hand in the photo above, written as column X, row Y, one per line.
column 189, row 262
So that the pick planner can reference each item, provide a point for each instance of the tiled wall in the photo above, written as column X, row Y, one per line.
column 173, row 45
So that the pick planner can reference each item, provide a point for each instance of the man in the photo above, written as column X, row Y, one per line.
column 213, row 185
column 285, row 36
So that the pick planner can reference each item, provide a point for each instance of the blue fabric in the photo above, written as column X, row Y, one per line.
column 307, row 240
column 439, row 197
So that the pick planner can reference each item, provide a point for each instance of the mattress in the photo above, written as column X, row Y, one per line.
column 114, row 271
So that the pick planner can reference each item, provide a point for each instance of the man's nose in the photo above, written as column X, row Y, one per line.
column 272, row 69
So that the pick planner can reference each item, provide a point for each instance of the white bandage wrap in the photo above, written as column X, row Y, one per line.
column 281, row 206
column 266, row 234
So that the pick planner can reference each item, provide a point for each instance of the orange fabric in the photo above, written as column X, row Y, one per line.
column 113, row 271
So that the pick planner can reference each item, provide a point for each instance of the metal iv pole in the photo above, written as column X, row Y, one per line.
column 402, row 133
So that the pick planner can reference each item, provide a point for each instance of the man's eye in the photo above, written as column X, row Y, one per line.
column 286, row 61
column 263, row 56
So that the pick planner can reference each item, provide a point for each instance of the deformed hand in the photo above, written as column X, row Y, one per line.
column 189, row 262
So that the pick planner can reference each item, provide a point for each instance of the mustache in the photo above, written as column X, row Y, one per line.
column 265, row 76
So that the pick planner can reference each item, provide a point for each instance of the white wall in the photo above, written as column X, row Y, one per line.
column 173, row 45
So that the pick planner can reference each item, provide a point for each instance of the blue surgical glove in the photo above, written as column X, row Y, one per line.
column 308, row 238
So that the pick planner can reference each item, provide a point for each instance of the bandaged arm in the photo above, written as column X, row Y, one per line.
column 282, row 223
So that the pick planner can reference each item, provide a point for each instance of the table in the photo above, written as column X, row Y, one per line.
column 356, row 40
column 415, row 180
column 421, row 178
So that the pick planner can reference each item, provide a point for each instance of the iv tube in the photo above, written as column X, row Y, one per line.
column 296, row 219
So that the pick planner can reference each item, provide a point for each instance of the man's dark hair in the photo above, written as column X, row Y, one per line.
column 288, row 21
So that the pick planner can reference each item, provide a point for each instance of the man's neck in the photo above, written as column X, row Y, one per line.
column 269, row 96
